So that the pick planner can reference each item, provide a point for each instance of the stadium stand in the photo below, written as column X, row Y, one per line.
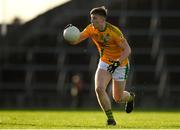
column 37, row 64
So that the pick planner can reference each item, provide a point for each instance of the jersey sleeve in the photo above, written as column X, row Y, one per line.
column 87, row 31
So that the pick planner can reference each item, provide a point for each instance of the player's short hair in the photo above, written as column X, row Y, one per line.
column 100, row 11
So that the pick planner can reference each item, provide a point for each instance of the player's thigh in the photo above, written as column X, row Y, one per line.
column 121, row 73
column 119, row 81
column 102, row 78
column 117, row 89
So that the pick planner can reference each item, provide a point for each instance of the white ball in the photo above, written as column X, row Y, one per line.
column 71, row 33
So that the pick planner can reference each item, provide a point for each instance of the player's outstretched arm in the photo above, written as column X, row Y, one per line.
column 81, row 38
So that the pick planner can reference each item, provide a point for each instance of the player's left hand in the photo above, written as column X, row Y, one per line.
column 111, row 68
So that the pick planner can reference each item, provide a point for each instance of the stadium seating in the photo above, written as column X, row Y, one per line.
column 37, row 64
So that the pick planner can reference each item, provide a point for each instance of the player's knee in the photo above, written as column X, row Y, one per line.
column 99, row 89
column 117, row 99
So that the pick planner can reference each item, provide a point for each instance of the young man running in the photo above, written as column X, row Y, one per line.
column 113, row 64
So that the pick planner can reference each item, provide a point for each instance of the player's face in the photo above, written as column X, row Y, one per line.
column 97, row 20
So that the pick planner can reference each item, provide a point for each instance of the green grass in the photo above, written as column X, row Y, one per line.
column 88, row 119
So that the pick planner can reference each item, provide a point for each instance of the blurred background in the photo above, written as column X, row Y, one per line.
column 38, row 69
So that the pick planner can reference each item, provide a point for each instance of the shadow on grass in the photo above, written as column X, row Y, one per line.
column 92, row 126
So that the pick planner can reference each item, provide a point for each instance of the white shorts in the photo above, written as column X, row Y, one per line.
column 120, row 73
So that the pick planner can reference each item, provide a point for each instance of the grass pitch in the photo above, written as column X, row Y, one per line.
column 84, row 119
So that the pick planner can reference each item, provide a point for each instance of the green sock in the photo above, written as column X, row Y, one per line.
column 109, row 114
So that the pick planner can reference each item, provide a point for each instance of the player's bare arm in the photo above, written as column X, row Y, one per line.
column 81, row 38
column 126, row 52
